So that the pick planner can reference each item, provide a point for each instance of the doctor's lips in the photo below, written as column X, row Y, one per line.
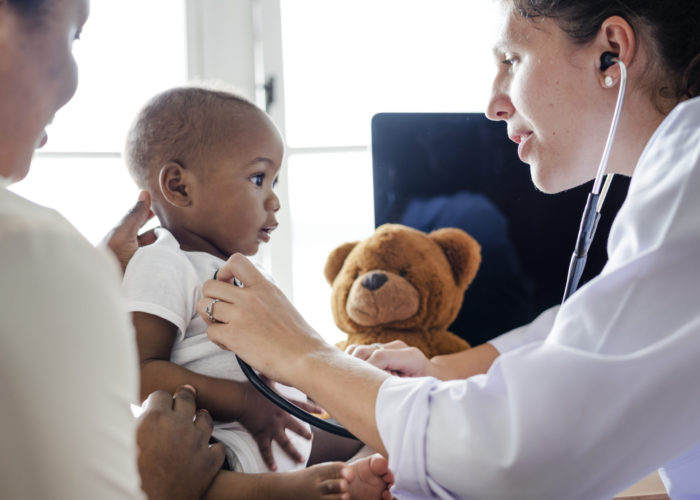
column 520, row 137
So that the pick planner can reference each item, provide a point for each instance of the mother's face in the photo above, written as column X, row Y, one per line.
column 38, row 75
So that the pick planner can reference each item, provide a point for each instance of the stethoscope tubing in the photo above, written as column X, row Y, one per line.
column 594, row 202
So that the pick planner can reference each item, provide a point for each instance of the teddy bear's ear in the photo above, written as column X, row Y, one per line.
column 462, row 252
column 336, row 260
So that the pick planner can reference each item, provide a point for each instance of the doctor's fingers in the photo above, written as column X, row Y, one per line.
column 362, row 351
column 407, row 361
column 395, row 344
column 365, row 351
column 225, row 338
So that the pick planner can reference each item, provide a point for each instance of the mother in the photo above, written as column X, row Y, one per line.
column 67, row 361
column 591, row 396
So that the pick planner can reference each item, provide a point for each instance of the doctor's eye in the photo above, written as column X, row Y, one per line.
column 257, row 179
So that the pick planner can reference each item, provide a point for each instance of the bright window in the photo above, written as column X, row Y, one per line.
column 344, row 61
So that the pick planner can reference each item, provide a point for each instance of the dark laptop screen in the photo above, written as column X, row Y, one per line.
column 435, row 170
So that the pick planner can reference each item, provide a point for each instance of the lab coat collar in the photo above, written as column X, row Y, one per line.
column 662, row 204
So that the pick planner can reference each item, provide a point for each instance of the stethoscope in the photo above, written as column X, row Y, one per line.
column 601, row 184
column 589, row 223
column 328, row 425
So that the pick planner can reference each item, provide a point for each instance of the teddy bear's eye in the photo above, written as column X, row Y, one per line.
column 357, row 274
column 403, row 273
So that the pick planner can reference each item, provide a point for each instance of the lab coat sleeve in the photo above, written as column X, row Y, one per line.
column 534, row 332
column 548, row 421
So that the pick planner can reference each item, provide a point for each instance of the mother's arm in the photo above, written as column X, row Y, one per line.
column 260, row 324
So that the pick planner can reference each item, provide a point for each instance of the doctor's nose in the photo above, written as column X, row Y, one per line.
column 500, row 106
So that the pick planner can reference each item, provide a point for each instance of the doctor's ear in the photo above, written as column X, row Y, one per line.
column 616, row 39
column 172, row 181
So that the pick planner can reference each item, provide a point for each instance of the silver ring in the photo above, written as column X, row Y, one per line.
column 377, row 345
column 210, row 310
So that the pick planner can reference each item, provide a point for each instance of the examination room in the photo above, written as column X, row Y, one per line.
column 332, row 249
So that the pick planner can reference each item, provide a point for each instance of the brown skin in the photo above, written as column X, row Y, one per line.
column 121, row 241
column 192, row 463
column 175, row 459
column 227, row 204
column 226, row 400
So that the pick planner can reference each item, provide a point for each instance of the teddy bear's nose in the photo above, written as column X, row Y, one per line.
column 374, row 281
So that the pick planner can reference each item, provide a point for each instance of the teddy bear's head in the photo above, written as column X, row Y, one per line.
column 401, row 278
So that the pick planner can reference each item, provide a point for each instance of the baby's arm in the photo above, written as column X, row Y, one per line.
column 226, row 400
column 155, row 337
column 327, row 447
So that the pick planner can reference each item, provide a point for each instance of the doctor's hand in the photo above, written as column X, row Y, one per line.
column 399, row 359
column 258, row 322
column 175, row 458
column 395, row 357
column 124, row 239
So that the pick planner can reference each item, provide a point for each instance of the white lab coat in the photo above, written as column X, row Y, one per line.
column 594, row 395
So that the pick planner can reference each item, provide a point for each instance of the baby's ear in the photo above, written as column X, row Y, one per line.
column 172, row 181
column 336, row 260
column 462, row 252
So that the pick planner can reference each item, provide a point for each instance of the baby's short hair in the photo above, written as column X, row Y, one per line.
column 181, row 124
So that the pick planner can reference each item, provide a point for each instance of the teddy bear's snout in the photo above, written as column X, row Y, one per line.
column 374, row 281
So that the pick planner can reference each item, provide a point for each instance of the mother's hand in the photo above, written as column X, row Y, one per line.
column 257, row 321
column 175, row 459
column 124, row 239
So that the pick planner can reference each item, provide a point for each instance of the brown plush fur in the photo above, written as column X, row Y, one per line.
column 403, row 284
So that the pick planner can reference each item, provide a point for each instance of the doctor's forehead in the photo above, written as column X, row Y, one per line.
column 512, row 31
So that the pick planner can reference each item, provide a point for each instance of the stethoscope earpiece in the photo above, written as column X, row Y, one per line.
column 607, row 59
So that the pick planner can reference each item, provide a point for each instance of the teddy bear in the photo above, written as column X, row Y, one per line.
column 402, row 284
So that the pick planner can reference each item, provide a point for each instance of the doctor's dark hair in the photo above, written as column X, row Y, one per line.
column 673, row 26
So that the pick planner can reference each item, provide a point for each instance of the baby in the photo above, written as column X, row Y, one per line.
column 211, row 160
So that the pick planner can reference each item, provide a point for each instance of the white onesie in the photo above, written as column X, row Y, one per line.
column 163, row 280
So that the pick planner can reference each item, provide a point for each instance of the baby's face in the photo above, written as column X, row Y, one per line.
column 236, row 203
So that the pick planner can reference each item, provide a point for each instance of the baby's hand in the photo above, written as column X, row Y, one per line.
column 267, row 422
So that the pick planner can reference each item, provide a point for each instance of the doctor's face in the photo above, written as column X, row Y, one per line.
column 546, row 89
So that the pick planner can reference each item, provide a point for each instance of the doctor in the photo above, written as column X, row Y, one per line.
column 591, row 396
